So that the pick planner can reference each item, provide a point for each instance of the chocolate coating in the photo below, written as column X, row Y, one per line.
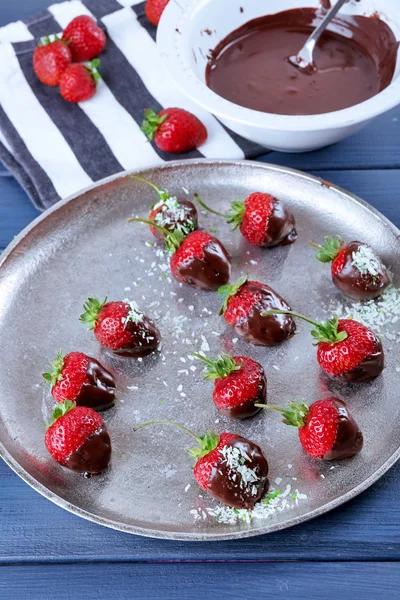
column 248, row 409
column 356, row 285
column 174, row 222
column 223, row 488
column 356, row 55
column 268, row 330
column 368, row 369
column 281, row 230
column 93, row 456
column 99, row 392
column 349, row 439
column 210, row 272
column 146, row 338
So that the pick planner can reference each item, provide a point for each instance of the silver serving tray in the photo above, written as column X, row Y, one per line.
column 83, row 247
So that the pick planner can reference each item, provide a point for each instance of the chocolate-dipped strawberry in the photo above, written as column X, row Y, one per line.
column 78, row 439
column 239, row 384
column 347, row 350
column 230, row 468
column 170, row 212
column 198, row 259
column 263, row 220
column 326, row 428
column 243, row 308
column 121, row 327
column 356, row 270
column 81, row 379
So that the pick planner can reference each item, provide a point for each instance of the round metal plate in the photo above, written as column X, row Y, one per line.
column 83, row 247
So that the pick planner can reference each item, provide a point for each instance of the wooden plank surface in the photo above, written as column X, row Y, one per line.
column 301, row 581
column 35, row 530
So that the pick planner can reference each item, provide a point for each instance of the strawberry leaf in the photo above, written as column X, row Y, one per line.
column 151, row 123
column 328, row 331
column 295, row 414
column 207, row 442
column 227, row 291
column 220, row 367
column 235, row 215
column 55, row 369
column 331, row 248
column 61, row 410
column 91, row 312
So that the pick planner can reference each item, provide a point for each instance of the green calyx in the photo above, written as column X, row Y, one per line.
column 227, row 291
column 233, row 216
column 163, row 194
column 294, row 414
column 93, row 66
column 206, row 443
column 151, row 123
column 331, row 248
column 328, row 331
column 220, row 367
column 322, row 332
column 61, row 410
column 92, row 309
column 46, row 40
column 54, row 373
column 172, row 240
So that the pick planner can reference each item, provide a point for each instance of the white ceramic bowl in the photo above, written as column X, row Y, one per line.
column 184, row 44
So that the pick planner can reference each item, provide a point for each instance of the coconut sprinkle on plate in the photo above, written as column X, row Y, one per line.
column 274, row 502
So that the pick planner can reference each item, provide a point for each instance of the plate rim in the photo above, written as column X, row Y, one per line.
column 165, row 534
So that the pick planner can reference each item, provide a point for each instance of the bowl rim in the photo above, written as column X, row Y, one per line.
column 177, row 17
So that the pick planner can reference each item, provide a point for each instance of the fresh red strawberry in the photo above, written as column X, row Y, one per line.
column 121, row 327
column 230, row 468
column 170, row 212
column 154, row 9
column 85, row 38
column 347, row 349
column 244, row 303
column 356, row 270
column 198, row 259
column 326, row 428
column 78, row 82
column 78, row 439
column 263, row 220
column 50, row 60
column 81, row 379
column 239, row 384
column 174, row 129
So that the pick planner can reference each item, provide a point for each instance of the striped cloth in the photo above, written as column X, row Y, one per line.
column 55, row 148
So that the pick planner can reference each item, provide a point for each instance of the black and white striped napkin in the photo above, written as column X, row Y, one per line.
column 55, row 148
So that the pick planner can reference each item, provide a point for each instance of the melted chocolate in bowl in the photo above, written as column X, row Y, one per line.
column 250, row 66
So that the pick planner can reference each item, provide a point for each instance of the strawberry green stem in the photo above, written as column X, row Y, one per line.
column 294, row 414
column 220, row 367
column 207, row 208
column 206, row 443
column 151, row 223
column 173, row 239
column 323, row 332
column 331, row 248
column 292, row 314
column 164, row 194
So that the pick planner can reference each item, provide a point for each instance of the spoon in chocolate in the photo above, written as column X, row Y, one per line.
column 304, row 59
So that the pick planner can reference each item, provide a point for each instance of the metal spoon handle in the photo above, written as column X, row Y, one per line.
column 316, row 34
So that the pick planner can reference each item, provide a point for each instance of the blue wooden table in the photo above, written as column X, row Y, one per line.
column 350, row 553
